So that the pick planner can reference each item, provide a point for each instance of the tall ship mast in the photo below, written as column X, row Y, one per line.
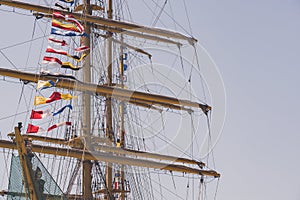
column 107, row 108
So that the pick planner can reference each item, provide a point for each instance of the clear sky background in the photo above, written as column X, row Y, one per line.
column 256, row 46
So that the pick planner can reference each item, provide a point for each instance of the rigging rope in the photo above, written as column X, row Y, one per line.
column 201, row 78
column 8, row 60
column 187, row 16
column 172, row 18
column 187, row 189
column 215, row 197
column 13, row 11
column 159, row 14
column 21, row 43
column 210, row 141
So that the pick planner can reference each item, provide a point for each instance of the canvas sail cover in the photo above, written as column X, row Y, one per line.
column 16, row 183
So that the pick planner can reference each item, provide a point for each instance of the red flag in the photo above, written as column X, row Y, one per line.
column 58, row 125
column 47, row 59
column 38, row 100
column 58, row 51
column 65, row 26
column 68, row 18
column 39, row 114
column 34, row 129
column 82, row 48
column 57, row 41
column 54, row 96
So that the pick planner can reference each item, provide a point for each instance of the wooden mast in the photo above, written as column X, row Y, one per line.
column 144, row 98
column 86, row 100
column 109, row 128
column 108, row 157
column 104, row 90
column 114, row 150
column 122, row 128
column 104, row 22
column 26, row 169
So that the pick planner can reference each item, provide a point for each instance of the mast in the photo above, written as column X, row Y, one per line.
column 25, row 162
column 122, row 129
column 115, row 150
column 109, row 129
column 90, row 153
column 105, row 22
column 104, row 90
column 111, row 158
column 86, row 100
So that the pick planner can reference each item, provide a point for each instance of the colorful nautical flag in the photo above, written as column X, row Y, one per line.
column 57, row 51
column 77, row 58
column 65, row 26
column 45, row 84
column 54, row 97
column 66, row 33
column 68, row 1
column 62, row 109
column 34, row 129
column 125, row 67
column 57, row 41
column 125, row 56
column 68, row 18
column 61, row 6
column 82, row 48
column 58, row 125
column 38, row 100
column 69, row 65
column 58, row 75
column 39, row 114
column 51, row 60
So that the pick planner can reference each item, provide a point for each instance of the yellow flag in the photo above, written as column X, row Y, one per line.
column 65, row 26
column 45, row 84
column 38, row 100
column 67, row 96
column 69, row 66
column 77, row 58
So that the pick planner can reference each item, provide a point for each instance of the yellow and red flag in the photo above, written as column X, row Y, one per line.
column 38, row 100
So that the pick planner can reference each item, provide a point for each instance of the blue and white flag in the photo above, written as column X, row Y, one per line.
column 125, row 67
column 125, row 56
column 45, row 84
column 66, row 33
column 62, row 109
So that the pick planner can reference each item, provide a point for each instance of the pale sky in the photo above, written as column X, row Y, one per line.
column 255, row 45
